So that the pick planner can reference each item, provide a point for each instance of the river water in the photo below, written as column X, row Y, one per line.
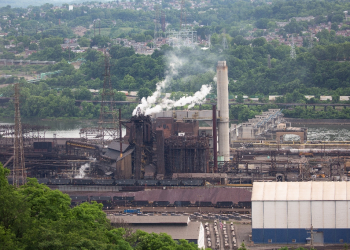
column 70, row 129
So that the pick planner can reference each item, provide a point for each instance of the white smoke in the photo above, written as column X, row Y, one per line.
column 83, row 168
column 147, row 105
column 82, row 171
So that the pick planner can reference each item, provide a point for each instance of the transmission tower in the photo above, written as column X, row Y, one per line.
column 182, row 13
column 156, row 25
column 209, row 40
column 311, row 41
column 19, row 174
column 292, row 49
column 108, row 122
column 224, row 41
column 162, row 20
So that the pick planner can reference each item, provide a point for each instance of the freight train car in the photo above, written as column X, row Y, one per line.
column 76, row 200
column 60, row 181
column 192, row 182
column 125, row 182
column 182, row 203
column 82, row 182
column 169, row 183
column 203, row 204
column 161, row 203
column 105, row 200
column 224, row 204
column 140, row 203
column 107, row 182
column 147, row 182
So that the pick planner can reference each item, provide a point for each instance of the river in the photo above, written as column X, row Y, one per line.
column 70, row 129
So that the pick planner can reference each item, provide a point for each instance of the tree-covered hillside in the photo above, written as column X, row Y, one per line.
column 36, row 217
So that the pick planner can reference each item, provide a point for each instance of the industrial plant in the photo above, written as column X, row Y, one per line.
column 194, row 158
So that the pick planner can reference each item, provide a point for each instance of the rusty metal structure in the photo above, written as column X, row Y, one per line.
column 186, row 154
column 18, row 171
column 140, row 136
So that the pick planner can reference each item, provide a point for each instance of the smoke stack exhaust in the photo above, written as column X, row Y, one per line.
column 222, row 102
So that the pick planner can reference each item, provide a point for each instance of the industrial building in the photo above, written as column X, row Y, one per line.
column 301, row 212
column 178, row 227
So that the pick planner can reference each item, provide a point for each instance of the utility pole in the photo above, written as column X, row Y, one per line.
column 94, row 28
column 182, row 5
column 269, row 61
column 311, row 41
column 311, row 232
column 99, row 27
column 224, row 41
column 292, row 49
column 18, row 154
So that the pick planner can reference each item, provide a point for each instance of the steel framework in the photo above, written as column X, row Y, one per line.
column 18, row 171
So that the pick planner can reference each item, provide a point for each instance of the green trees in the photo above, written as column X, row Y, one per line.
column 36, row 217
column 144, row 92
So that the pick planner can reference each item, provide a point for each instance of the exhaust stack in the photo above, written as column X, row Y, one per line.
column 222, row 102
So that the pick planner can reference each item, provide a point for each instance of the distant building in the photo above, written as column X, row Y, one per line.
column 70, row 7
column 273, row 97
column 325, row 98
column 309, row 97
column 344, row 98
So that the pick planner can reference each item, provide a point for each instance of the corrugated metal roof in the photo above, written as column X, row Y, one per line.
column 213, row 195
column 115, row 155
column 114, row 145
column 150, row 219
column 177, row 232
column 316, row 191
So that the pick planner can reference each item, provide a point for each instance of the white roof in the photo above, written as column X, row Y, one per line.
column 296, row 191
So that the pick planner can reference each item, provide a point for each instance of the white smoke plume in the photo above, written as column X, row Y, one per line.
column 82, row 171
column 83, row 168
column 147, row 105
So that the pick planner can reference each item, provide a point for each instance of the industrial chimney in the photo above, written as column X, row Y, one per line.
column 222, row 103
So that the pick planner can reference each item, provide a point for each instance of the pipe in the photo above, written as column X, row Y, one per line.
column 215, row 143
column 120, row 133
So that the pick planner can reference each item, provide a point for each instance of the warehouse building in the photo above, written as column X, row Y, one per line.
column 178, row 227
column 284, row 212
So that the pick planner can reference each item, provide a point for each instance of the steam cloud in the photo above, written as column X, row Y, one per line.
column 147, row 105
column 82, row 171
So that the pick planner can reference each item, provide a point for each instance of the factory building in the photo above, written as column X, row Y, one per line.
column 285, row 212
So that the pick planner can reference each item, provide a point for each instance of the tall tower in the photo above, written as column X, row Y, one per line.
column 224, row 41
column 108, row 122
column 19, row 173
column 292, row 49
column 162, row 20
column 222, row 102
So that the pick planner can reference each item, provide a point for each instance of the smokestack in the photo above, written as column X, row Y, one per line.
column 222, row 101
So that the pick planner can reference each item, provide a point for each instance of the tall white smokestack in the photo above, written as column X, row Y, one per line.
column 222, row 102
